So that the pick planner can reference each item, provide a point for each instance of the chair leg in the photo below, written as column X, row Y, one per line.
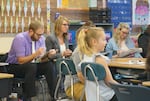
column 82, row 94
column 43, row 88
column 57, row 88
column 3, row 99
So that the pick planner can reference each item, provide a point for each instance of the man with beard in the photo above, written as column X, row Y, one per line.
column 27, row 48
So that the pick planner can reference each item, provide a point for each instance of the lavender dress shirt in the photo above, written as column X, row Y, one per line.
column 22, row 46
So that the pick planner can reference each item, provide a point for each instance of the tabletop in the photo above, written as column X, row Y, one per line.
column 5, row 75
column 132, row 63
column 146, row 83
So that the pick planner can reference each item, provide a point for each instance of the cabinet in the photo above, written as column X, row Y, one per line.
column 108, row 27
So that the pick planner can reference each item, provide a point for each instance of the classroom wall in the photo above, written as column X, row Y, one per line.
column 75, row 11
column 5, row 44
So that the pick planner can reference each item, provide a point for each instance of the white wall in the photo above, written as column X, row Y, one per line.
column 5, row 44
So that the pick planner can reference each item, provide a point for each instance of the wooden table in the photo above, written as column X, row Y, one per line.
column 5, row 84
column 146, row 83
column 5, row 75
column 128, row 63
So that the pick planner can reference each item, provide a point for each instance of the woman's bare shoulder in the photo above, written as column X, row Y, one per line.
column 101, row 60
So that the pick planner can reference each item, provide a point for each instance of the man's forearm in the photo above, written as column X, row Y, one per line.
column 26, row 59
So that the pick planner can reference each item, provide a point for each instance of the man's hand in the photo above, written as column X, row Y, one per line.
column 40, row 51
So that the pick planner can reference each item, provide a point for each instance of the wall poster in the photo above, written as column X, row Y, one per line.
column 140, row 9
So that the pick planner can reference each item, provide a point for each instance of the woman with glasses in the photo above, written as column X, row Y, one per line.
column 121, row 42
column 59, row 42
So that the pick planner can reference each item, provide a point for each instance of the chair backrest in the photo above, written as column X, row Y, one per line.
column 131, row 92
column 3, row 57
column 66, row 66
column 93, row 73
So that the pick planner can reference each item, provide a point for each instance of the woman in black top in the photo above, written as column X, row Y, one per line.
column 143, row 41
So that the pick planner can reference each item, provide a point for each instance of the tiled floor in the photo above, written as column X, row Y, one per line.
column 40, row 96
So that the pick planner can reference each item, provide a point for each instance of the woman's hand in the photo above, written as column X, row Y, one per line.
column 119, row 52
column 51, row 53
column 67, row 53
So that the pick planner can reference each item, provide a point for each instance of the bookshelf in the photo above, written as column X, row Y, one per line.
column 108, row 27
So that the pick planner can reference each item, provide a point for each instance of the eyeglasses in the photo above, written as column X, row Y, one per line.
column 39, row 35
column 65, row 24
column 125, row 32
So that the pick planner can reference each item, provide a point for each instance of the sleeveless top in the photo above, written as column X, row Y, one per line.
column 106, row 93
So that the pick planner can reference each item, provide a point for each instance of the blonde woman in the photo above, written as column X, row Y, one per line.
column 77, row 57
column 121, row 42
column 92, row 42
column 59, row 42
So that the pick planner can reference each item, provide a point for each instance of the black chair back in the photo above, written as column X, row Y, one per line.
column 3, row 57
column 131, row 92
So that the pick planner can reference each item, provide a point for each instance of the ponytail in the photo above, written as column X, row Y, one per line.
column 83, row 42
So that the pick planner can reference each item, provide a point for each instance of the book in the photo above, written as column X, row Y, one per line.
column 130, row 52
column 40, row 58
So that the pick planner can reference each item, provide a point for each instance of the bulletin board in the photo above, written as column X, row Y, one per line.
column 72, row 4
column 121, row 11
column 72, row 9
column 80, row 4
